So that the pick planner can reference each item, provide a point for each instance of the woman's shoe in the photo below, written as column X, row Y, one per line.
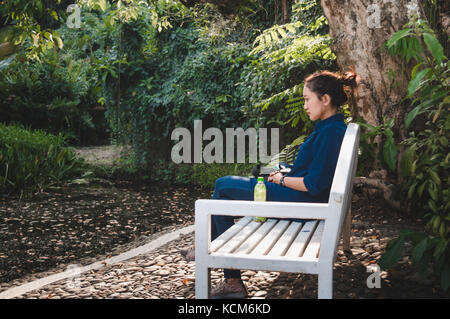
column 229, row 289
column 188, row 253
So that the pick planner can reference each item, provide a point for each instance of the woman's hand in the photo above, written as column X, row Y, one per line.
column 275, row 177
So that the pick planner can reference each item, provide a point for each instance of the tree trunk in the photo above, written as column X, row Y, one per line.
column 360, row 28
column 285, row 10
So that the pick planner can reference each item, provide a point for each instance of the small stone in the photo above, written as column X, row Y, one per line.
column 162, row 272
column 152, row 268
column 260, row 293
column 357, row 251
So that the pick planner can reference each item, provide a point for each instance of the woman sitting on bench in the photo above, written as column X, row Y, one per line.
column 311, row 175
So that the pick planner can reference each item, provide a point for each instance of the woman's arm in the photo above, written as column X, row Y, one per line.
column 291, row 182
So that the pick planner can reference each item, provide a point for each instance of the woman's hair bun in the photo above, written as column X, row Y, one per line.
column 340, row 86
column 349, row 78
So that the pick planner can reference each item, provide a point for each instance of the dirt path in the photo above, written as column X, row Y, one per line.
column 101, row 155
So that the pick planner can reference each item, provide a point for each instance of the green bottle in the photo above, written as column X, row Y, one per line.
column 260, row 196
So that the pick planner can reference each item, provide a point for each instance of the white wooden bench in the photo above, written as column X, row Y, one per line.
column 277, row 244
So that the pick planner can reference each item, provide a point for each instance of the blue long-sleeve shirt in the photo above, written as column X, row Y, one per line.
column 317, row 157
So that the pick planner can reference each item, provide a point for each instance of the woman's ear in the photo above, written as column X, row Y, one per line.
column 326, row 99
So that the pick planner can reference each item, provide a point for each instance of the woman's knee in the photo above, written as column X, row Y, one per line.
column 221, row 182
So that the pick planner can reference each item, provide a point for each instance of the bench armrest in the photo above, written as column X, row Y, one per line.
column 205, row 207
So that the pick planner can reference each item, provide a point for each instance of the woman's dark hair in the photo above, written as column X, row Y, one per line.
column 338, row 86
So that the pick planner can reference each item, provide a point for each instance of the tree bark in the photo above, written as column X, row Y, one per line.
column 285, row 10
column 360, row 28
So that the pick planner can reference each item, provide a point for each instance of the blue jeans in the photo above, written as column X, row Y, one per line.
column 241, row 188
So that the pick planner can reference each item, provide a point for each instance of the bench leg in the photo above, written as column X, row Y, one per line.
column 202, row 281
column 326, row 283
column 346, row 231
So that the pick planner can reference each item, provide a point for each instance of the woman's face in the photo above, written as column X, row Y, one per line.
column 317, row 109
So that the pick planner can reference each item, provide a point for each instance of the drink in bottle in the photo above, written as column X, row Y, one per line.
column 260, row 196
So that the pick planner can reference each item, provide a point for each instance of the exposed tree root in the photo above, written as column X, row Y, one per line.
column 379, row 184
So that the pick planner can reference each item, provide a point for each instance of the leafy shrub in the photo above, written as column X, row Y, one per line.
column 186, row 77
column 424, row 165
column 34, row 160
column 206, row 174
column 387, row 158
column 282, row 56
column 56, row 96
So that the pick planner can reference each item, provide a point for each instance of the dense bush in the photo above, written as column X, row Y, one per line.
column 34, row 160
column 198, row 69
column 157, row 66
column 283, row 55
column 425, row 162
column 182, row 75
column 56, row 96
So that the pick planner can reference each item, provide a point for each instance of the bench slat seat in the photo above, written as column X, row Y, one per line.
column 274, row 238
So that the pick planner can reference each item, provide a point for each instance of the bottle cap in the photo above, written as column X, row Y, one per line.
column 260, row 179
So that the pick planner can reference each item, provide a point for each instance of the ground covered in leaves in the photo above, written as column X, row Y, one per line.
column 69, row 224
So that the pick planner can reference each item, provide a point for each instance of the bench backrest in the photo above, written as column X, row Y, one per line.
column 341, row 188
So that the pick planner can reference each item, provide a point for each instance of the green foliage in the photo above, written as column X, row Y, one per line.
column 427, row 250
column 430, row 76
column 309, row 12
column 24, row 97
column 425, row 159
column 285, row 55
column 33, row 160
column 205, row 175
column 424, row 164
column 187, row 76
column 34, row 23
column 388, row 156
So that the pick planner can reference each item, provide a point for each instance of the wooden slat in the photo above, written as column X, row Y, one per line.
column 226, row 236
column 301, row 241
column 239, row 238
column 285, row 240
column 256, row 237
column 271, row 238
column 312, row 250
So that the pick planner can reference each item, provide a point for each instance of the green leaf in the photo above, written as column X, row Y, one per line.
column 432, row 205
column 58, row 41
column 421, row 187
column 440, row 248
column 411, row 115
column 282, row 32
column 423, row 262
column 416, row 81
column 406, row 161
column 397, row 36
column 414, row 70
column 102, row 4
column 411, row 190
column 434, row 176
column 432, row 191
column 418, row 251
column 434, row 46
column 390, row 153
column 291, row 28
column 53, row 14
column 393, row 255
